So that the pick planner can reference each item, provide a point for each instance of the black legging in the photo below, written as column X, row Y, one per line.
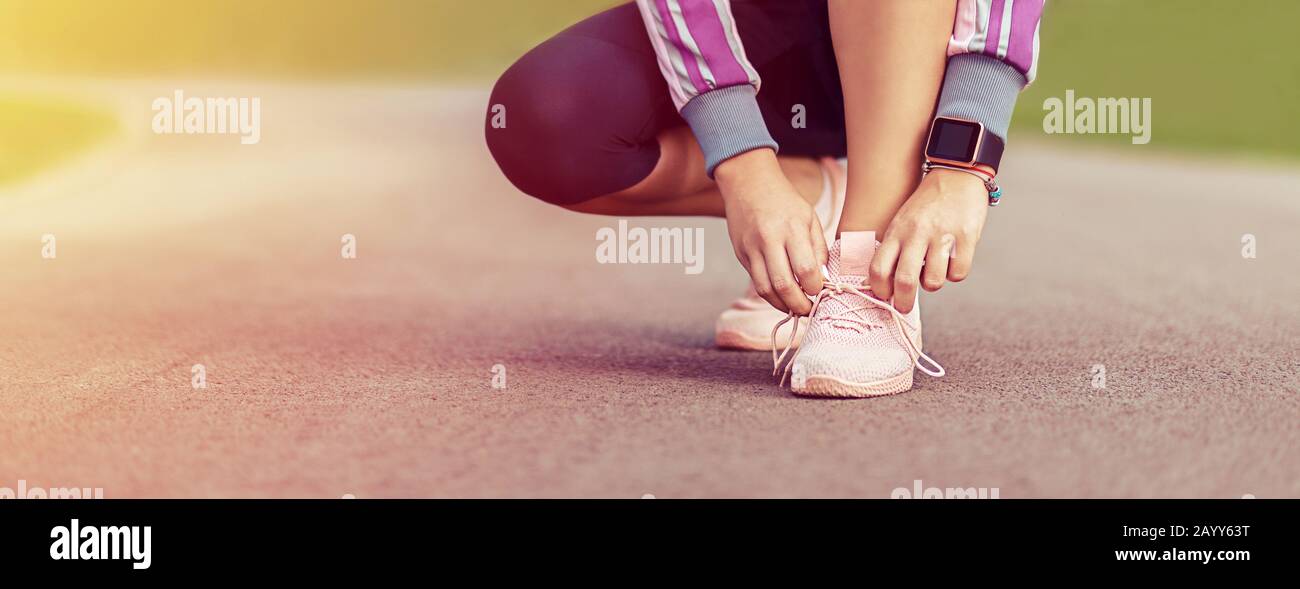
column 584, row 108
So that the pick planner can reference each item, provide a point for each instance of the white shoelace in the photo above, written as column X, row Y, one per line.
column 855, row 315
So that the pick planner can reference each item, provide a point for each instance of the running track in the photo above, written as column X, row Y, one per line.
column 372, row 376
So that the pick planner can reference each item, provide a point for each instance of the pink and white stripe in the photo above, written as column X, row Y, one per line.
column 699, row 48
column 697, row 45
column 1002, row 29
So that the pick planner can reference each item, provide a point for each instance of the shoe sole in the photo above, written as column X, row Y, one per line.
column 829, row 386
column 728, row 339
column 734, row 340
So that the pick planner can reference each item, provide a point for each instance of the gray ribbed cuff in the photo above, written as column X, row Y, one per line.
column 980, row 88
column 727, row 123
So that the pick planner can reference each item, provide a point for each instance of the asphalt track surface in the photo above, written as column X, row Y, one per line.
column 372, row 376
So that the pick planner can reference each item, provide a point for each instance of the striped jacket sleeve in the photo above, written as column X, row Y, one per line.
column 993, row 55
column 712, row 83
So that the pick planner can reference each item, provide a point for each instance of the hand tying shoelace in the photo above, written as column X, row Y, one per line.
column 853, row 316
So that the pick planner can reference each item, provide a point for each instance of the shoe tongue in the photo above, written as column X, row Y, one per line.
column 847, row 264
column 850, row 256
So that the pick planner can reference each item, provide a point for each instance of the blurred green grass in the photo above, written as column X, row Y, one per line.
column 39, row 132
column 1222, row 76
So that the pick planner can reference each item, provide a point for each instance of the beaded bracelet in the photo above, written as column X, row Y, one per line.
column 995, row 192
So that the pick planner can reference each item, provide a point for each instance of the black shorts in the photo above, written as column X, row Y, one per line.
column 583, row 109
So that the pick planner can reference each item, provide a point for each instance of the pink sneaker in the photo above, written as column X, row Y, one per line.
column 747, row 323
column 856, row 345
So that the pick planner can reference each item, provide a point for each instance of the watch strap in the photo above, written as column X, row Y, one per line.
column 990, row 152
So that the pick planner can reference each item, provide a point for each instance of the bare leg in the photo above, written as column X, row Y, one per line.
column 678, row 185
column 891, row 79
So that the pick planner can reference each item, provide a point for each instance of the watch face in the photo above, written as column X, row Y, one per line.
column 954, row 140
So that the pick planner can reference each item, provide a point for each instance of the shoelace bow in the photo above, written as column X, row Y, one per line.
column 851, row 314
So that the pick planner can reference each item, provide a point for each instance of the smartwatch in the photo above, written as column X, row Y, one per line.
column 962, row 142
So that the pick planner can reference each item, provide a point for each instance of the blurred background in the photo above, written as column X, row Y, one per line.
column 1225, row 76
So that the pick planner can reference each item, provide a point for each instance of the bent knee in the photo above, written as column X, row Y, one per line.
column 525, row 132
column 561, row 134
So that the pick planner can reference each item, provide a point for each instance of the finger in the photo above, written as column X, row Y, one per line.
column 907, row 274
column 804, row 263
column 881, row 271
column 819, row 243
column 782, row 281
column 962, row 257
column 762, row 285
column 936, row 263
